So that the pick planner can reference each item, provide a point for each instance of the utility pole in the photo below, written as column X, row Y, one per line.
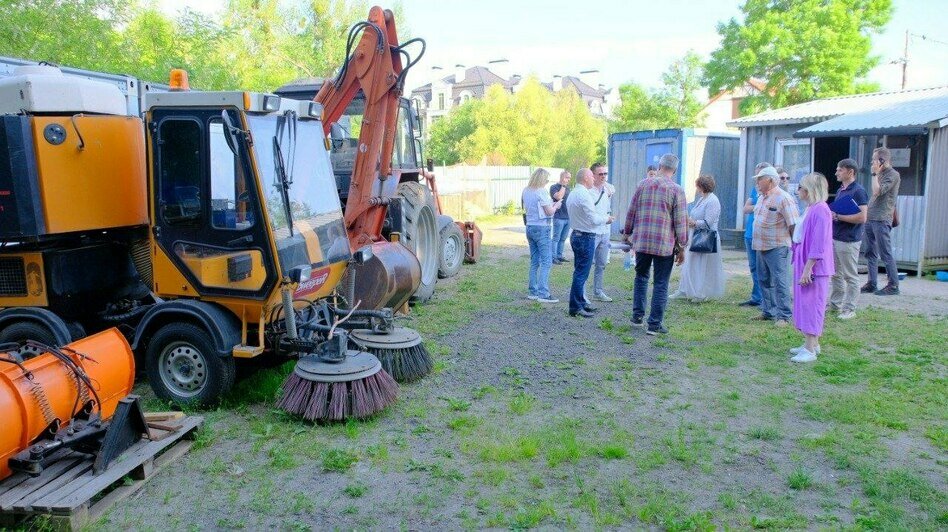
column 905, row 59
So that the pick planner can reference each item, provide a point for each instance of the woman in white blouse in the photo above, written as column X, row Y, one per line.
column 702, row 274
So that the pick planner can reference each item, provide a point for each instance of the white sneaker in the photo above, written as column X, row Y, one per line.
column 848, row 315
column 677, row 295
column 797, row 350
column 533, row 298
column 602, row 296
column 804, row 356
column 547, row 300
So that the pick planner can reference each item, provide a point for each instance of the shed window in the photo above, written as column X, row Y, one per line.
column 909, row 155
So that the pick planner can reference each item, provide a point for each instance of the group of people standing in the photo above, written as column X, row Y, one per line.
column 821, row 244
column 549, row 217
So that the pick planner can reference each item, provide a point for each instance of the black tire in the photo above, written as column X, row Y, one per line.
column 22, row 331
column 184, row 367
column 420, row 235
column 450, row 251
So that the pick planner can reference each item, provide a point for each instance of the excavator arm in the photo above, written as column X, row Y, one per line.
column 375, row 67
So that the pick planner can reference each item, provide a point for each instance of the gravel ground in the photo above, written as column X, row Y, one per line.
column 685, row 435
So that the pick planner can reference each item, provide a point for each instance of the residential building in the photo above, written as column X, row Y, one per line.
column 447, row 91
column 725, row 106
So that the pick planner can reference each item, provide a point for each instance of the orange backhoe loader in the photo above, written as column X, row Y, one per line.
column 376, row 154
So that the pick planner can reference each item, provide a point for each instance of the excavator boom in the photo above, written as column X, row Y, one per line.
column 375, row 67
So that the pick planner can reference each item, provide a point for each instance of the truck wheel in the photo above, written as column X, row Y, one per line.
column 27, row 330
column 184, row 367
column 420, row 235
column 451, row 251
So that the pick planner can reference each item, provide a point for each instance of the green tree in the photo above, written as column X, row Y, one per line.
column 681, row 89
column 532, row 127
column 676, row 104
column 70, row 32
column 803, row 49
column 448, row 133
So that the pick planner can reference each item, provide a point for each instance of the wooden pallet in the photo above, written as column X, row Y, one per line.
column 70, row 495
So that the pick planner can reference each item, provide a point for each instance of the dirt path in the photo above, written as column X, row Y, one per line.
column 533, row 418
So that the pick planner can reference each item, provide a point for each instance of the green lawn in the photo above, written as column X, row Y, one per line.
column 710, row 427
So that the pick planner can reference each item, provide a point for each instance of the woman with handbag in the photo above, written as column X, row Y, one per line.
column 813, row 265
column 702, row 274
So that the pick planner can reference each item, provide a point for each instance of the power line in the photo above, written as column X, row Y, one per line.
column 929, row 39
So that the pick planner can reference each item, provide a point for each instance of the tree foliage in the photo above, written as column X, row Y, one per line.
column 803, row 49
column 253, row 45
column 676, row 104
column 532, row 127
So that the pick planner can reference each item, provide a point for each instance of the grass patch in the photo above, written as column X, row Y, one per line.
column 356, row 490
column 799, row 479
column 521, row 403
column 764, row 433
column 338, row 460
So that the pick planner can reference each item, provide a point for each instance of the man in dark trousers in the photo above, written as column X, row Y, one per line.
column 585, row 219
column 657, row 225
column 885, row 190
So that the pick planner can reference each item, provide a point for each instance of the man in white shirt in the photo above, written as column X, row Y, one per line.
column 585, row 220
column 601, row 193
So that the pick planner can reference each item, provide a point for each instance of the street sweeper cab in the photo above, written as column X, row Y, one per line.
column 208, row 229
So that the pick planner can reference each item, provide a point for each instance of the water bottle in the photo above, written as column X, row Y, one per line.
column 629, row 261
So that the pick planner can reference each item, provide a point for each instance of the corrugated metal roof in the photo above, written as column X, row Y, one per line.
column 820, row 110
column 905, row 118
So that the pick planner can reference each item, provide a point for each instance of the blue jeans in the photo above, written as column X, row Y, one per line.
column 663, row 270
column 560, row 232
column 538, row 236
column 773, row 267
column 584, row 245
column 752, row 263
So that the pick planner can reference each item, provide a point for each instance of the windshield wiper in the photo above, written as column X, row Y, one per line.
column 288, row 121
column 284, row 184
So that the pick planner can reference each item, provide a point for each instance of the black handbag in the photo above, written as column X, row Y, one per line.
column 704, row 241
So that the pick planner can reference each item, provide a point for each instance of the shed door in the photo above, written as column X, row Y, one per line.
column 655, row 150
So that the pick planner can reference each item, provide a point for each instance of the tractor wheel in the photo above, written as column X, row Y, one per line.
column 420, row 235
column 184, row 367
column 451, row 251
column 27, row 330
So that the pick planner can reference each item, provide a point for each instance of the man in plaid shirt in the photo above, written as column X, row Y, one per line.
column 657, row 225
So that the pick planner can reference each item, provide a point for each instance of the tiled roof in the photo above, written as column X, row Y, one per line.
column 820, row 110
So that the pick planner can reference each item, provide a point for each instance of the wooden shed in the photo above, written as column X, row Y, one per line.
column 815, row 136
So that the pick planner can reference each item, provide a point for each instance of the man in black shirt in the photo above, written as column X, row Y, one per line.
column 559, row 192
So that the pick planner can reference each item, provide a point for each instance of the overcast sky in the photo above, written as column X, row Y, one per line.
column 625, row 40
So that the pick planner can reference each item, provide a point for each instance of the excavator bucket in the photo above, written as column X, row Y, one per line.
column 387, row 279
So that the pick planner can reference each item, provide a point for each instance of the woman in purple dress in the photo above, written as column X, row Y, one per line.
column 812, row 265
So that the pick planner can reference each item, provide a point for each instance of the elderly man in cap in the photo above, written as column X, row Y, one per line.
column 774, row 217
column 657, row 223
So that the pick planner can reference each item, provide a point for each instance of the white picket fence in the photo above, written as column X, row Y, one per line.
column 475, row 190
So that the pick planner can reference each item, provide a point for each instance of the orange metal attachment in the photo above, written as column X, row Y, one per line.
column 46, row 393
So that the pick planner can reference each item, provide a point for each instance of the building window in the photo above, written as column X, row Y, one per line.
column 794, row 156
column 909, row 154
column 441, row 101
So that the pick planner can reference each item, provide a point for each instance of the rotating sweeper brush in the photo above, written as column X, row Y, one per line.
column 336, row 383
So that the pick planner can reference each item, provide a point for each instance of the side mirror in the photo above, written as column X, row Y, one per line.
column 230, row 131
column 300, row 274
column 430, row 165
column 363, row 255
